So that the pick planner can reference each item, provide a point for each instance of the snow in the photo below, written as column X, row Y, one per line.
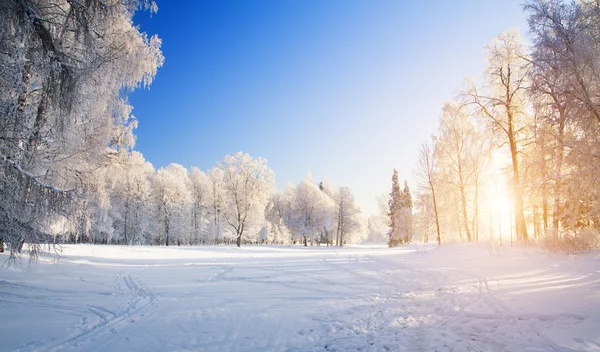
column 291, row 298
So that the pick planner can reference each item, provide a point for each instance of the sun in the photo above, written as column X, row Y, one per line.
column 502, row 208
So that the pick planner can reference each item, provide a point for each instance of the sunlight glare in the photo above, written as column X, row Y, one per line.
column 503, row 208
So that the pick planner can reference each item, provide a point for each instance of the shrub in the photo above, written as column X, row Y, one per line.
column 572, row 242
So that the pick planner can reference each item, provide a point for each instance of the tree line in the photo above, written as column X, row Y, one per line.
column 69, row 171
column 235, row 202
column 527, row 134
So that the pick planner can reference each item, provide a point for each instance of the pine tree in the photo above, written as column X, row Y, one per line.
column 406, row 197
column 405, row 223
column 395, row 205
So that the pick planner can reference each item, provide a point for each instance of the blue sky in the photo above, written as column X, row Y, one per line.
column 344, row 89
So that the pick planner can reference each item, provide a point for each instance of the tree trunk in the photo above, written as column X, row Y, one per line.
column 536, row 223
column 437, row 217
column 476, row 215
column 520, row 224
column 25, row 91
column 20, row 244
column 464, row 211
column 167, row 231
column 545, row 209
column 544, row 187
column 125, row 220
column 558, row 181
column 458, row 219
column 40, row 120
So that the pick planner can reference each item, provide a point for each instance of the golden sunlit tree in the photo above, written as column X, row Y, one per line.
column 503, row 102
column 566, row 74
column 427, row 178
column 456, row 151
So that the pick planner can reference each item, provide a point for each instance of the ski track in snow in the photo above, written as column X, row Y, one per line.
column 292, row 299
column 108, row 322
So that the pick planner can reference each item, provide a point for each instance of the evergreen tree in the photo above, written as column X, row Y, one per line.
column 404, row 220
column 406, row 197
column 395, row 205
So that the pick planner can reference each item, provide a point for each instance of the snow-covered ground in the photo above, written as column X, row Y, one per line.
column 452, row 298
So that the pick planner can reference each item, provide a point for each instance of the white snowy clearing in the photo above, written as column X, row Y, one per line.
column 451, row 298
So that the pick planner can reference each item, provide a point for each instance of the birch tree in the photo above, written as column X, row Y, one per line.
column 131, row 199
column 347, row 214
column 427, row 178
column 200, row 187
column 502, row 102
column 173, row 203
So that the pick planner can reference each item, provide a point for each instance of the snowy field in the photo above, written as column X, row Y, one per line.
column 452, row 298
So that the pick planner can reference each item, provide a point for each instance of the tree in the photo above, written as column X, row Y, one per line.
column 394, row 209
column 503, row 104
column 276, row 213
column 248, row 183
column 427, row 178
column 200, row 188
column 347, row 214
column 377, row 227
column 328, row 225
column 311, row 210
column 405, row 220
column 173, row 198
column 66, row 69
column 216, row 201
column 567, row 40
column 566, row 74
column 131, row 199
column 456, row 148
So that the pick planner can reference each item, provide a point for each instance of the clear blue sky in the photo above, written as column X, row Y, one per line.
column 344, row 89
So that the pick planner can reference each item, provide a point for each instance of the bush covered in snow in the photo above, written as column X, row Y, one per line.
column 572, row 242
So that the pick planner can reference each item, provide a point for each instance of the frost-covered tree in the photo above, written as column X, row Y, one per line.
column 217, row 230
column 200, row 188
column 132, row 199
column 347, row 215
column 377, row 227
column 540, row 116
column 405, row 219
column 311, row 209
column 248, row 184
column 378, row 223
column 424, row 216
column 566, row 73
column 276, row 213
column 503, row 104
column 456, row 149
column 427, row 178
column 399, row 213
column 65, row 69
column 394, row 210
column 328, row 226
column 567, row 41
column 173, row 197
